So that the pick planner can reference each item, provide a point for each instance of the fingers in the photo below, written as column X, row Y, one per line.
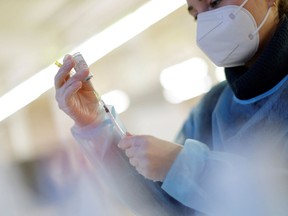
column 128, row 134
column 134, row 162
column 63, row 75
column 126, row 142
column 128, row 145
column 63, row 72
column 133, row 147
column 131, row 151
column 69, row 92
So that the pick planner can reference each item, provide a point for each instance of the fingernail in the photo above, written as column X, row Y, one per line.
column 66, row 57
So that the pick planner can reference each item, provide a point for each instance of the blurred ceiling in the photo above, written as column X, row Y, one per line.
column 35, row 33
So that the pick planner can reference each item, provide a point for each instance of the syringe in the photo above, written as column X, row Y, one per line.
column 80, row 63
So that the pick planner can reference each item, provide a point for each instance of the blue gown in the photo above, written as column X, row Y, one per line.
column 234, row 159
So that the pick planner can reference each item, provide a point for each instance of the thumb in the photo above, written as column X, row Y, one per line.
column 126, row 142
column 128, row 134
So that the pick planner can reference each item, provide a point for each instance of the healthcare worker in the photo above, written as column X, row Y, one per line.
column 231, row 156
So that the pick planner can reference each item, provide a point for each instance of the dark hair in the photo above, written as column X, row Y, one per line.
column 282, row 8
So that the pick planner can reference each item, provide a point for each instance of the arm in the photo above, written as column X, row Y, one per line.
column 219, row 183
column 142, row 196
column 212, row 181
column 98, row 139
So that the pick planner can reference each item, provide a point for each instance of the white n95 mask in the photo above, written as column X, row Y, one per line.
column 228, row 35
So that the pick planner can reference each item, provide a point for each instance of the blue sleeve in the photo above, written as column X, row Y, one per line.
column 117, row 180
column 214, row 183
column 221, row 183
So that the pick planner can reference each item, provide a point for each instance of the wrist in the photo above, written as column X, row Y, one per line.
column 91, row 121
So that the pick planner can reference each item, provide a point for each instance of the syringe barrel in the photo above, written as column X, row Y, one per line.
column 81, row 64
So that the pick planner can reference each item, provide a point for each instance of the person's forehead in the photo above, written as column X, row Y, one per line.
column 209, row 1
column 202, row 4
column 196, row 2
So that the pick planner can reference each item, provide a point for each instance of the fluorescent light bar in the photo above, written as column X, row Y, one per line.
column 93, row 49
column 26, row 92
column 118, row 98
column 126, row 28
column 185, row 80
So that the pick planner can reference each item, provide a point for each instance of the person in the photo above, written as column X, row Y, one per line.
column 230, row 157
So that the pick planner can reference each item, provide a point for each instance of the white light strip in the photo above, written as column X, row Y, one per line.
column 180, row 83
column 93, row 49
column 118, row 98
column 26, row 92
column 127, row 28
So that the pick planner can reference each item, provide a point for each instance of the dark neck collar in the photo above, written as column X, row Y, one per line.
column 268, row 70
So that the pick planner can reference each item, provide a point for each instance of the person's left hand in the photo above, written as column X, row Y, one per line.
column 151, row 156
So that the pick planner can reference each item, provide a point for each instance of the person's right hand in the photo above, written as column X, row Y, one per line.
column 75, row 96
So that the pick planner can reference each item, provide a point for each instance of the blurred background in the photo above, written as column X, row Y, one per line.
column 145, row 62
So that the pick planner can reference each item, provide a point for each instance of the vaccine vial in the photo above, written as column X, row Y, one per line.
column 80, row 64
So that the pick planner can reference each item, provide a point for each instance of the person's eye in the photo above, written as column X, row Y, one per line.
column 214, row 3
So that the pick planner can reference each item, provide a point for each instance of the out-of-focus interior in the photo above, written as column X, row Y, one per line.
column 153, row 77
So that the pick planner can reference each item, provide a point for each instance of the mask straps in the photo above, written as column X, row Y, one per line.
column 233, row 15
column 251, row 35
column 261, row 24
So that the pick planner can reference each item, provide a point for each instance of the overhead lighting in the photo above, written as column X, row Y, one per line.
column 93, row 49
column 26, row 92
column 126, row 28
column 119, row 99
column 220, row 74
column 185, row 80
